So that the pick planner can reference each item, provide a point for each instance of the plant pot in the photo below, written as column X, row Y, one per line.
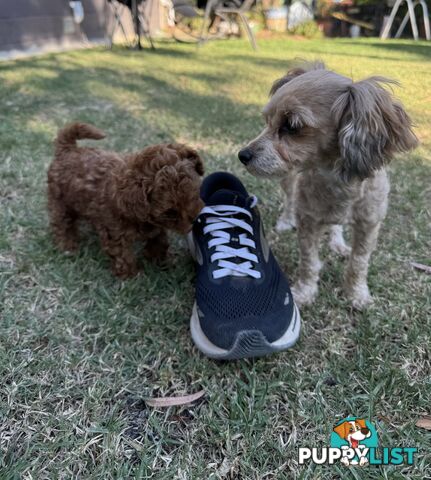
column 276, row 19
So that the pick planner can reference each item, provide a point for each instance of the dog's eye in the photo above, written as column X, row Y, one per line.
column 289, row 128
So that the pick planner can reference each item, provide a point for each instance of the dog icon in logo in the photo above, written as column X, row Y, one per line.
column 353, row 432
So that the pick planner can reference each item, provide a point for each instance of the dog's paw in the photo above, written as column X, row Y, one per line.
column 340, row 248
column 360, row 297
column 304, row 294
column 345, row 461
column 285, row 224
column 125, row 271
column 158, row 257
column 337, row 243
column 363, row 461
column 361, row 303
column 69, row 247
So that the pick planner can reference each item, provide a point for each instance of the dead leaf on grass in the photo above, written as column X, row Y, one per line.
column 421, row 266
column 174, row 401
column 424, row 422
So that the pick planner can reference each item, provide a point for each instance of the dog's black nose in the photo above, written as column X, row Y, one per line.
column 245, row 156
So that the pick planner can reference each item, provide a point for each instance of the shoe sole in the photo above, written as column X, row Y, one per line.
column 248, row 343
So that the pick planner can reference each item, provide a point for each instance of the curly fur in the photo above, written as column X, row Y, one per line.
column 126, row 197
column 329, row 139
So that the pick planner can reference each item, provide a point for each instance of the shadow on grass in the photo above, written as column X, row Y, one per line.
column 419, row 49
column 317, row 55
column 211, row 114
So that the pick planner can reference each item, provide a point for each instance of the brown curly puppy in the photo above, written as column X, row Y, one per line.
column 126, row 197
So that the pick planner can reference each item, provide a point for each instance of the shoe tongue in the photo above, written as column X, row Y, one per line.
column 227, row 197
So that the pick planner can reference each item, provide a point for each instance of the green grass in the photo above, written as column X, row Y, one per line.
column 81, row 350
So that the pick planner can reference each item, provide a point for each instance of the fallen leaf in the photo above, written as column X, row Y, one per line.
column 424, row 422
column 421, row 266
column 174, row 401
column 224, row 468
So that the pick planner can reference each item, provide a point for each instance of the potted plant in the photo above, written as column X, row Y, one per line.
column 275, row 14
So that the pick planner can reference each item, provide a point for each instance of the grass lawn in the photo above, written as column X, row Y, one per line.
column 80, row 350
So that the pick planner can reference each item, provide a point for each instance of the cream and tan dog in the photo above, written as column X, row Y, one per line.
column 354, row 432
column 329, row 139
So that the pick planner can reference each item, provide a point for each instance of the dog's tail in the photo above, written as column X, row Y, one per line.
column 67, row 136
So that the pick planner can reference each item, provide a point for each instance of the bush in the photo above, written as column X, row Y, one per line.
column 308, row 29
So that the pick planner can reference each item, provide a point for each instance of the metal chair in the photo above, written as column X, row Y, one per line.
column 410, row 13
column 141, row 21
column 117, row 10
column 144, row 19
column 234, row 9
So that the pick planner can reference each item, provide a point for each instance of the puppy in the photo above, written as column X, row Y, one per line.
column 329, row 140
column 126, row 197
column 353, row 432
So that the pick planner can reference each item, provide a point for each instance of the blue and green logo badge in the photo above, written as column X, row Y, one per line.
column 354, row 437
column 353, row 442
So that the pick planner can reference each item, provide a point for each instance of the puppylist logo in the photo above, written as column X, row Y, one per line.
column 354, row 442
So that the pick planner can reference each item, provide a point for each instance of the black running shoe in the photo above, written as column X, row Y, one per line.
column 244, row 307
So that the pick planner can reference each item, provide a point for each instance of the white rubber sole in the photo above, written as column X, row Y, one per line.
column 248, row 343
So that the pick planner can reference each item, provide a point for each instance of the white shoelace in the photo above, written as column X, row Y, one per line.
column 221, row 218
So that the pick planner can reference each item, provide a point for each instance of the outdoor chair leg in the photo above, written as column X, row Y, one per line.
column 145, row 23
column 146, row 32
column 411, row 9
column 411, row 12
column 117, row 23
column 426, row 21
column 204, row 34
column 123, row 31
column 249, row 31
column 205, row 22
column 111, row 35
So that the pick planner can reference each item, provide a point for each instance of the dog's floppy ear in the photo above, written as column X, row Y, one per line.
column 361, row 422
column 131, row 192
column 342, row 430
column 190, row 155
column 295, row 72
column 372, row 127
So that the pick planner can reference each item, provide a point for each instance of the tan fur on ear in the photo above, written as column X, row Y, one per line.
column 295, row 72
column 373, row 126
column 342, row 430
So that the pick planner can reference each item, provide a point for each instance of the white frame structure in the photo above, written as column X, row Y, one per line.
column 410, row 13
